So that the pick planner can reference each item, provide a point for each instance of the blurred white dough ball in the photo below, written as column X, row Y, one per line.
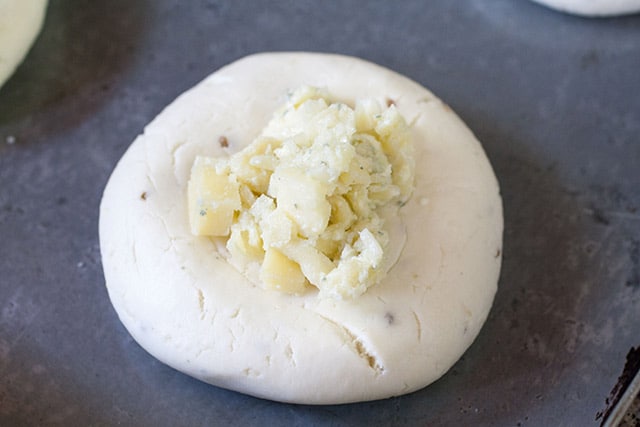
column 20, row 23
column 594, row 7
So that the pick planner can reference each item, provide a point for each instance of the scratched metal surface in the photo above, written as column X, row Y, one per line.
column 555, row 99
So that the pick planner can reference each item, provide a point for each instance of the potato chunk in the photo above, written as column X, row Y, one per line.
column 280, row 273
column 302, row 198
column 214, row 197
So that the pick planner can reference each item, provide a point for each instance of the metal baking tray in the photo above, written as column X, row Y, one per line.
column 554, row 98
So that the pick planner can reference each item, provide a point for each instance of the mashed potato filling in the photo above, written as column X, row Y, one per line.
column 301, row 205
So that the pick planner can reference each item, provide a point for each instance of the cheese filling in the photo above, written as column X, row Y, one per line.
column 301, row 205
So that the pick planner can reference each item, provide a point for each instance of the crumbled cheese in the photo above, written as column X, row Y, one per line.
column 300, row 204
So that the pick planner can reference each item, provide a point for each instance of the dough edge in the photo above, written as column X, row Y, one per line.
column 594, row 7
column 180, row 301
column 20, row 24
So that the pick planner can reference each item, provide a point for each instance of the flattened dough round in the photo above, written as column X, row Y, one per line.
column 20, row 23
column 594, row 7
column 189, row 308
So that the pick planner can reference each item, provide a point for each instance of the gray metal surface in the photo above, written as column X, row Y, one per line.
column 555, row 99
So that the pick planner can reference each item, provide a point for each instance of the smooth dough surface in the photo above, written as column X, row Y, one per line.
column 20, row 23
column 594, row 7
column 189, row 308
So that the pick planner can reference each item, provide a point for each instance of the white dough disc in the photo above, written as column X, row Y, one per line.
column 594, row 7
column 189, row 308
column 20, row 23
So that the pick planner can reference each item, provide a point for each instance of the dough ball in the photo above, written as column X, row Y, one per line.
column 182, row 301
